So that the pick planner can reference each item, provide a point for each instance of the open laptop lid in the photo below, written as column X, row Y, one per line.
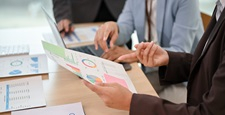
column 61, row 43
column 55, row 31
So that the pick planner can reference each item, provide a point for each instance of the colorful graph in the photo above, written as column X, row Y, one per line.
column 34, row 59
column 111, row 79
column 69, row 58
column 34, row 65
column 94, row 79
column 16, row 63
column 75, row 70
column 15, row 72
column 89, row 63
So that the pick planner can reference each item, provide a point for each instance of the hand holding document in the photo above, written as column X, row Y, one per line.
column 91, row 68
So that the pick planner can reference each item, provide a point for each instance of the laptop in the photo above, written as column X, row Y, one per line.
column 89, row 49
column 14, row 50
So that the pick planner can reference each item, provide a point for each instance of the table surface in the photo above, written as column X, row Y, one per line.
column 62, row 86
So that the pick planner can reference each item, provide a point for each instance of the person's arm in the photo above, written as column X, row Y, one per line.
column 62, row 13
column 211, row 104
column 105, row 31
column 152, row 55
column 125, row 23
column 120, row 32
column 62, row 10
column 149, row 54
column 118, row 97
column 117, row 51
column 113, row 94
column 177, row 70
column 187, row 25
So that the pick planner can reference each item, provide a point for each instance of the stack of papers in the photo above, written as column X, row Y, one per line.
column 23, row 65
column 81, row 37
column 69, row 109
column 21, row 94
column 91, row 68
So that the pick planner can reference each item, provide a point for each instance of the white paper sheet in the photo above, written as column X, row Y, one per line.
column 84, row 34
column 68, row 109
column 21, row 94
column 80, row 37
column 23, row 65
column 91, row 68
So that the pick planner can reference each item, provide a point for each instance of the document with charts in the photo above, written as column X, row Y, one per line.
column 23, row 65
column 68, row 109
column 91, row 68
column 21, row 94
column 81, row 36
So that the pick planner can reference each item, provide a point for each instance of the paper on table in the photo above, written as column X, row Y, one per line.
column 91, row 68
column 68, row 109
column 81, row 35
column 21, row 94
column 23, row 65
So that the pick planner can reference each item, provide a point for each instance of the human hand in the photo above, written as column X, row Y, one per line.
column 108, row 29
column 115, row 52
column 149, row 54
column 64, row 26
column 113, row 94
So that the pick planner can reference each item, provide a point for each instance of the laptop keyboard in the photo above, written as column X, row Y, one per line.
column 18, row 49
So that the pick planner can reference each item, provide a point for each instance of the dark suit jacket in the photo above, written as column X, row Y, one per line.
column 205, row 72
column 84, row 10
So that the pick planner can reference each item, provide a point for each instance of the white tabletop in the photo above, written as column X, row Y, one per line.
column 31, row 36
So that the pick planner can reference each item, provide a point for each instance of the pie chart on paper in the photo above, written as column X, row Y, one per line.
column 94, row 79
column 89, row 63
column 15, row 72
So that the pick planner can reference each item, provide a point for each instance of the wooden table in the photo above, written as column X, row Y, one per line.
column 63, row 87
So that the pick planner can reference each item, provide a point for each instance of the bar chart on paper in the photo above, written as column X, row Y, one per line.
column 81, row 35
column 23, row 65
column 91, row 68
column 21, row 94
column 68, row 109
column 94, row 79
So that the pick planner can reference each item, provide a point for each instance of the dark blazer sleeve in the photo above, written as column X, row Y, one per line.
column 213, row 102
column 177, row 70
column 142, row 104
column 61, row 9
column 206, row 90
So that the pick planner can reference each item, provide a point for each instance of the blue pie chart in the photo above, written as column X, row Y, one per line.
column 15, row 72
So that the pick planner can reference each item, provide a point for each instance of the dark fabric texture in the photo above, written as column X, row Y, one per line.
column 81, row 11
column 205, row 72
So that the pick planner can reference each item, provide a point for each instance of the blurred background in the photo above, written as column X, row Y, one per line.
column 28, row 13
column 23, row 13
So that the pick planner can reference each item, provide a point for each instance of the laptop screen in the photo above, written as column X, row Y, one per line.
column 89, row 49
column 54, row 29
